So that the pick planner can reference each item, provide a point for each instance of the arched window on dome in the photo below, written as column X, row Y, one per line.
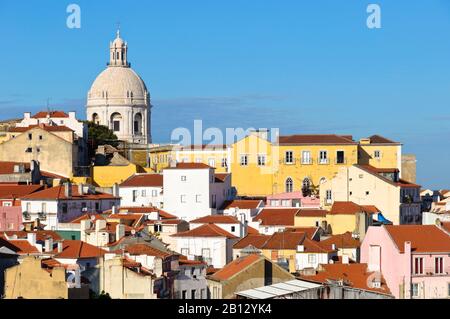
column 138, row 124
column 116, row 120
column 289, row 185
column 95, row 118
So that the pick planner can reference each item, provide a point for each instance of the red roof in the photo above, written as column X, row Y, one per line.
column 256, row 241
column 206, row 230
column 92, row 217
column 377, row 139
column 143, row 249
column 143, row 180
column 285, row 240
column 55, row 114
column 349, row 208
column 8, row 167
column 241, row 203
column 23, row 247
column 16, row 191
column 277, row 216
column 48, row 128
column 215, row 219
column 235, row 267
column 190, row 166
column 354, row 275
column 315, row 139
column 144, row 210
column 345, row 240
column 58, row 192
column 41, row 235
column 423, row 238
column 309, row 231
column 221, row 177
column 77, row 249
column 312, row 212
column 252, row 231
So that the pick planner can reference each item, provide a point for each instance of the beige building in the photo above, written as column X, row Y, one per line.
column 30, row 281
column 397, row 200
column 52, row 146
column 247, row 272
column 409, row 167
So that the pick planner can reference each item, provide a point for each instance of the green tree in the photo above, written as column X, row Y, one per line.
column 100, row 135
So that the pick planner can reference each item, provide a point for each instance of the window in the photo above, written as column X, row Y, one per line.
column 183, row 294
column 261, row 160
column 116, row 126
column 44, row 207
column 289, row 157
column 198, row 160
column 438, row 265
column 323, row 157
column 29, row 150
column 418, row 265
column 328, row 196
column 415, row 290
column 377, row 154
column 183, row 178
column 244, row 160
column 143, row 193
column 193, row 294
column 274, row 202
column 185, row 251
column 157, row 228
column 154, row 193
column 206, row 253
column 97, row 206
column 340, row 157
column 64, row 208
column 135, row 194
column 38, row 150
column 30, row 136
column 183, row 198
column 311, row 259
column 306, row 183
column 10, row 226
column 289, row 185
column 224, row 162
column 198, row 198
column 285, row 203
column 212, row 162
column 306, row 157
column 367, row 193
column 233, row 229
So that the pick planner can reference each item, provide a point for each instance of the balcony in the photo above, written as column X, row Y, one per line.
column 307, row 161
column 323, row 161
column 340, row 161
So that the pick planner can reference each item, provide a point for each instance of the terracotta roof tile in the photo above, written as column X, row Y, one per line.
column 345, row 240
column 8, row 167
column 17, row 191
column 221, row 177
column 143, row 249
column 143, row 180
column 378, row 139
column 309, row 231
column 58, row 193
column 423, row 238
column 77, row 249
column 285, row 240
column 48, row 128
column 23, row 247
column 144, row 210
column 256, row 241
column 241, row 203
column 252, row 231
column 316, row 139
column 54, row 114
column 235, row 267
column 215, row 219
column 349, row 208
column 304, row 212
column 41, row 235
column 206, row 230
column 277, row 216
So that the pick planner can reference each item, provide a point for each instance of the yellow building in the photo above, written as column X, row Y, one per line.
column 311, row 218
column 30, row 281
column 216, row 156
column 380, row 152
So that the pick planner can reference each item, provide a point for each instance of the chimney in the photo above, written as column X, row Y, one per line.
column 68, row 190
column 120, row 231
column 49, row 244
column 85, row 224
column 114, row 210
column 31, row 237
column 60, row 247
column 407, row 247
column 100, row 224
column 345, row 259
column 115, row 190
column 72, row 115
column 27, row 115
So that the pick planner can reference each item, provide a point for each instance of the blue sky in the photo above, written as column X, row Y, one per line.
column 302, row 66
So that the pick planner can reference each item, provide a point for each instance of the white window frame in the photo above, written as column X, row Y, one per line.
column 243, row 160
column 323, row 160
column 183, row 199
column 306, row 160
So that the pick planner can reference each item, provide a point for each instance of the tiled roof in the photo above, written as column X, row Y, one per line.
column 143, row 180
column 8, row 167
column 185, row 262
column 311, row 212
column 41, row 235
column 23, row 247
column 144, row 210
column 16, row 191
column 235, row 267
column 252, row 231
column 206, row 230
column 285, row 240
column 311, row 246
column 190, row 166
column 423, row 238
column 48, row 128
column 143, row 249
column 58, row 192
column 256, row 241
column 309, row 231
column 92, row 217
column 241, row 203
column 277, row 216
column 215, row 219
column 221, row 177
column 55, row 114
column 377, row 139
column 349, row 208
column 354, row 275
column 345, row 240
column 77, row 249
column 316, row 139
column 446, row 226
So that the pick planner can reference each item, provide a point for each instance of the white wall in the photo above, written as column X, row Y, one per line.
column 145, row 196
column 217, row 246
column 239, row 229
column 302, row 260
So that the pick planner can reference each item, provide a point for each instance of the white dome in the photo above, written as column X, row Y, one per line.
column 118, row 86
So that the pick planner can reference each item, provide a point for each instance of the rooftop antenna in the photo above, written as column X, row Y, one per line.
column 118, row 29
column 48, row 105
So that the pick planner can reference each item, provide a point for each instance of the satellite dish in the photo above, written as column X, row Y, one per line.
column 133, row 232
column 93, row 217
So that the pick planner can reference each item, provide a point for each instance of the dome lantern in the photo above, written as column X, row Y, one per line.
column 118, row 52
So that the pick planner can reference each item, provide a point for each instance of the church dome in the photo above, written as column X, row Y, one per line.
column 118, row 86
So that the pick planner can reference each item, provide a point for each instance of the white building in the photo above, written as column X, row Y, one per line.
column 142, row 190
column 191, row 190
column 241, row 208
column 190, row 282
column 230, row 224
column 119, row 99
column 273, row 220
column 64, row 203
column 208, row 242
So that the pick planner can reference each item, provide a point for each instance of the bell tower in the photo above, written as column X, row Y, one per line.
column 118, row 52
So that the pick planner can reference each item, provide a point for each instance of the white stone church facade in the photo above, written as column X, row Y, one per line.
column 119, row 98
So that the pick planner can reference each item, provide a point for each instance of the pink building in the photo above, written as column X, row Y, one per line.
column 293, row 199
column 414, row 259
column 10, row 218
